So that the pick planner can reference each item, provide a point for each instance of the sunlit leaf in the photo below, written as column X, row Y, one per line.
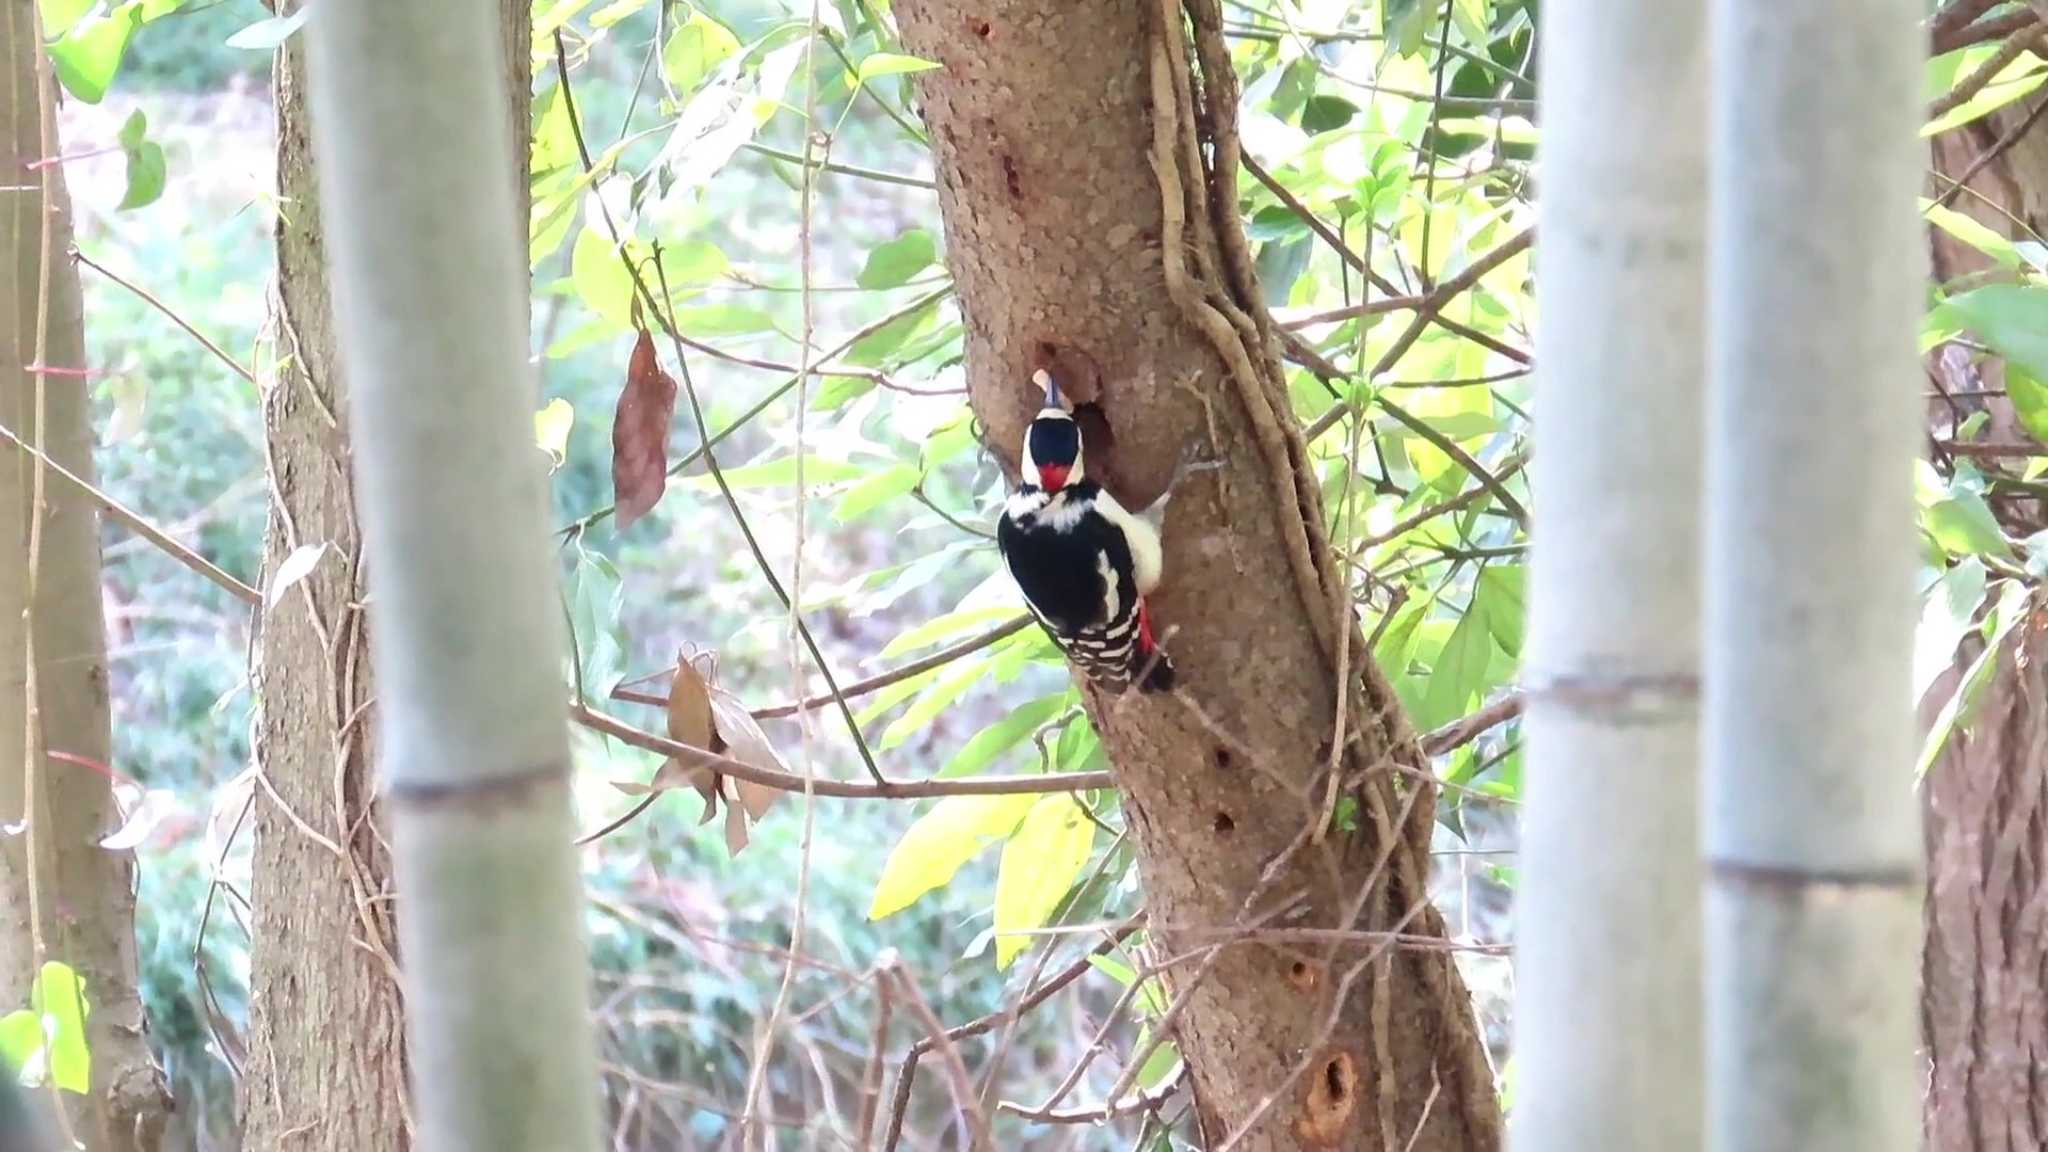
column 59, row 994
column 294, row 568
column 1964, row 525
column 880, row 64
column 90, row 53
column 952, row 832
column 875, row 491
column 1005, row 734
column 896, row 261
column 927, row 707
column 60, row 15
column 1502, row 586
column 268, row 35
column 2011, row 318
column 551, row 426
column 699, row 45
column 942, row 627
column 1041, row 861
column 1945, row 618
column 145, row 163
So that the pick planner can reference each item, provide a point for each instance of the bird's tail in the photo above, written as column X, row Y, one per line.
column 1151, row 668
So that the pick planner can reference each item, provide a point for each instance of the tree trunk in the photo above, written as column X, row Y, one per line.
column 1984, row 975
column 323, row 947
column 427, row 260
column 1607, row 947
column 1811, row 836
column 1074, row 193
column 75, row 899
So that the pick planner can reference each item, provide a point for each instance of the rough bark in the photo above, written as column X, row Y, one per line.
column 82, row 895
column 1986, row 952
column 326, row 1067
column 1984, row 973
column 1088, row 235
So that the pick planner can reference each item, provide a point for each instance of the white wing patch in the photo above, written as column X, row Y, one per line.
column 1112, row 604
column 1144, row 541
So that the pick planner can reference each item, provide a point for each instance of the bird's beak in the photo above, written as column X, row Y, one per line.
column 1044, row 380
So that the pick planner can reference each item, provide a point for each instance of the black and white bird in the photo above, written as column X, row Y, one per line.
column 1084, row 563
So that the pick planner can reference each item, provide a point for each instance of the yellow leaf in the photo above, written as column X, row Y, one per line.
column 551, row 430
column 934, row 847
column 1040, row 863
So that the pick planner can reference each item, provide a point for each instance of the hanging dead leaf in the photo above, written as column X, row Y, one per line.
column 640, row 433
column 689, row 707
column 735, row 829
column 745, row 742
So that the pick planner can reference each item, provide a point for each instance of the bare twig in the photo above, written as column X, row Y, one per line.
column 144, row 294
column 848, row 789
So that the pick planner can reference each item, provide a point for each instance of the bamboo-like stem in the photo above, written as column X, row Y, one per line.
column 1812, row 837
column 1607, row 1020
column 412, row 140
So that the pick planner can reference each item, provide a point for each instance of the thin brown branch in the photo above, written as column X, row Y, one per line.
column 144, row 294
column 873, row 683
column 1991, row 153
column 1463, row 731
column 691, row 757
column 134, row 522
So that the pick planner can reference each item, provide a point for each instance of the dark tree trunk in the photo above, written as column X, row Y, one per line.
column 1087, row 235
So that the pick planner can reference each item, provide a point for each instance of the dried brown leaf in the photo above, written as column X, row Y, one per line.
column 640, row 433
column 689, row 707
column 735, row 829
column 746, row 743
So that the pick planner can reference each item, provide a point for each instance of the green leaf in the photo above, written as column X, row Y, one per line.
column 2029, row 401
column 877, row 346
column 60, row 995
column 89, row 55
column 2011, row 318
column 722, row 320
column 2011, row 609
column 616, row 11
column 1964, row 525
column 780, row 473
column 836, row 391
column 896, row 261
column 694, row 49
column 600, row 279
column 1951, row 603
column 268, row 35
column 933, row 848
column 880, row 64
column 60, row 15
column 551, row 427
column 1005, row 734
column 935, row 699
column 1160, row 1064
column 1973, row 232
column 1460, row 670
column 21, row 1041
column 145, row 163
column 2013, row 82
column 875, row 491
column 1503, row 587
column 941, row 627
column 1041, row 860
column 545, row 24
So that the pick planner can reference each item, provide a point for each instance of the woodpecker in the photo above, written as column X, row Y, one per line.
column 1084, row 563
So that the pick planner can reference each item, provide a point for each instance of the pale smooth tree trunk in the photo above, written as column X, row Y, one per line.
column 1814, row 854
column 77, row 897
column 429, row 289
column 326, row 1070
column 1607, row 974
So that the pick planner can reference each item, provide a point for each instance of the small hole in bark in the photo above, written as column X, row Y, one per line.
column 1011, row 179
column 1223, row 824
column 1332, row 1097
column 1096, row 433
column 980, row 27
column 1302, row 975
column 1222, row 757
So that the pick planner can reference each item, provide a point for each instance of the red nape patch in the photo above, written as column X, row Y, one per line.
column 1052, row 477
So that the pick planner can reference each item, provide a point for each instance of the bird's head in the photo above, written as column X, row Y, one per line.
column 1052, row 442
